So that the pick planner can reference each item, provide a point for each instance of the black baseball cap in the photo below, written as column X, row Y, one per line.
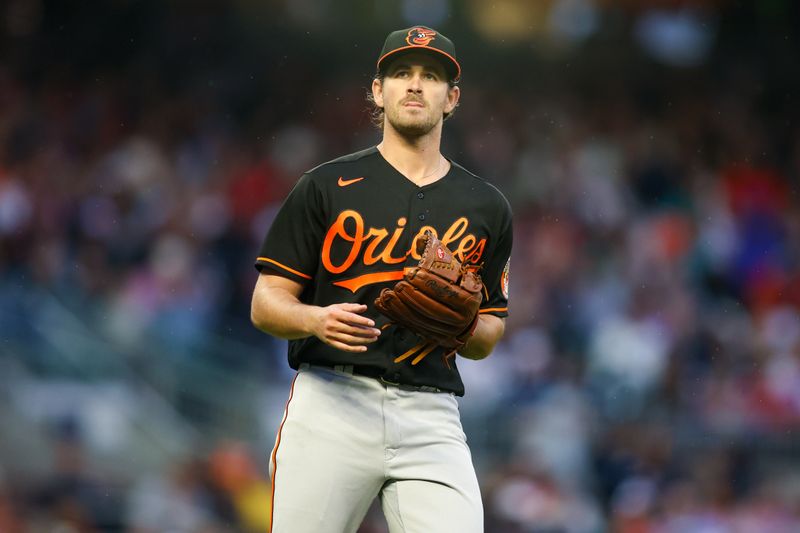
column 421, row 39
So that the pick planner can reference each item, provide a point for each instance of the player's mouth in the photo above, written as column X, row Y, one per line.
column 413, row 103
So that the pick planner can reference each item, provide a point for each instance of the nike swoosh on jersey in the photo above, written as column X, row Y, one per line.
column 344, row 183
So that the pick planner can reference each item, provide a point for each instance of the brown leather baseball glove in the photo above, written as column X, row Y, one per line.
column 438, row 299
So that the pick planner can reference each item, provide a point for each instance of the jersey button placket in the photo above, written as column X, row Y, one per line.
column 421, row 216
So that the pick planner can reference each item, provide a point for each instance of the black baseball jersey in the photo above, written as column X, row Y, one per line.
column 348, row 229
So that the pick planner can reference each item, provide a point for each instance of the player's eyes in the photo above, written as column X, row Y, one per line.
column 404, row 73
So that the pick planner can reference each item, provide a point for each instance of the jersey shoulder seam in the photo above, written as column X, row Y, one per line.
column 492, row 186
column 467, row 172
column 348, row 158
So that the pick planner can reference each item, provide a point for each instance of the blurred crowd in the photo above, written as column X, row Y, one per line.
column 222, row 492
column 649, row 379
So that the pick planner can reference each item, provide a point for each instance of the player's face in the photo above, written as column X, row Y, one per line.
column 415, row 94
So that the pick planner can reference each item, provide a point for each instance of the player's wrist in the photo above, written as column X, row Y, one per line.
column 475, row 349
column 312, row 321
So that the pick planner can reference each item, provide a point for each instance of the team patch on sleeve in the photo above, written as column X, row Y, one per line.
column 504, row 279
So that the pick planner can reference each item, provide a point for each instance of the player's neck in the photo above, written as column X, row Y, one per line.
column 418, row 159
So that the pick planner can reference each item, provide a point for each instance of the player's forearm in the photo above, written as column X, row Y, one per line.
column 488, row 333
column 278, row 312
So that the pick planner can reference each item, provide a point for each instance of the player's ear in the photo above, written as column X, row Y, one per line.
column 377, row 92
column 453, row 94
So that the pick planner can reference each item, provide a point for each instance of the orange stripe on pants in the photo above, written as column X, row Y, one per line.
column 275, row 454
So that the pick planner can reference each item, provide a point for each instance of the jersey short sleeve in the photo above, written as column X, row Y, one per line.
column 292, row 244
column 495, row 273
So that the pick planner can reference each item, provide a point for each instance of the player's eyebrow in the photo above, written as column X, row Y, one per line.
column 427, row 67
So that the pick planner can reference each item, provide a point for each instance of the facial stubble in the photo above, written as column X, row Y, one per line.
column 410, row 126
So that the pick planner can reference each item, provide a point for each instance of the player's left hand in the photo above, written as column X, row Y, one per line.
column 438, row 299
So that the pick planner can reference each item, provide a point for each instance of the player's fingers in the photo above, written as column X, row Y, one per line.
column 335, row 329
column 360, row 331
column 355, row 319
column 347, row 347
column 352, row 308
column 349, row 340
column 358, row 335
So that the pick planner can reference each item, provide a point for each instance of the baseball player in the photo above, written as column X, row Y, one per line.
column 372, row 409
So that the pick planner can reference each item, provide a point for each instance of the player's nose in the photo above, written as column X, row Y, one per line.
column 415, row 82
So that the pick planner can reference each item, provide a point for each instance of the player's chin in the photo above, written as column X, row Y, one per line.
column 414, row 128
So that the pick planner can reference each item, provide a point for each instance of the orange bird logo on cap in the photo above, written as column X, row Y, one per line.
column 420, row 36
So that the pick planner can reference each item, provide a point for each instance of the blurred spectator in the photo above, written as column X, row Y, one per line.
column 180, row 501
column 73, row 497
column 522, row 499
column 234, row 471
column 10, row 519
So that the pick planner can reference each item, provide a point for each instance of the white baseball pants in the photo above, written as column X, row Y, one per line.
column 346, row 438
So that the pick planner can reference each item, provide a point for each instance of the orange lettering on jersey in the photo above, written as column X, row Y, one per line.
column 370, row 258
column 386, row 255
column 338, row 230
column 368, row 279
column 475, row 253
column 455, row 231
column 369, row 254
column 379, row 247
column 466, row 244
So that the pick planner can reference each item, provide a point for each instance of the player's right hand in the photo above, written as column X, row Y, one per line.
column 343, row 327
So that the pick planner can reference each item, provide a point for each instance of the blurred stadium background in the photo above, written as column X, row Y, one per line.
column 649, row 380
